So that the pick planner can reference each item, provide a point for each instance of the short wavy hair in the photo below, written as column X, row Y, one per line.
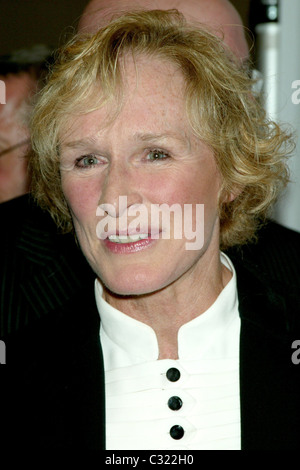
column 250, row 151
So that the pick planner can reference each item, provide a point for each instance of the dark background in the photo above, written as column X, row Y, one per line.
column 27, row 22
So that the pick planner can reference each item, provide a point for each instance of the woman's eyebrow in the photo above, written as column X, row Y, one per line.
column 150, row 137
column 80, row 143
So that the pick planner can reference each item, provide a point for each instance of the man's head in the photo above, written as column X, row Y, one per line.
column 14, row 135
column 20, row 73
column 220, row 15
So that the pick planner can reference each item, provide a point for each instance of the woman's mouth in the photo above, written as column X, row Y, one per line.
column 126, row 244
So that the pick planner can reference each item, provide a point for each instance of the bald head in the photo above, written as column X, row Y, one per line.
column 220, row 15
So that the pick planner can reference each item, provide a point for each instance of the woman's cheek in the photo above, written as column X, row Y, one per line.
column 82, row 196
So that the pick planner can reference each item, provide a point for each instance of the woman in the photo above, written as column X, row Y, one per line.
column 140, row 127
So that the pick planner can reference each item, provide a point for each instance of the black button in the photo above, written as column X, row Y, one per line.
column 173, row 374
column 176, row 432
column 175, row 403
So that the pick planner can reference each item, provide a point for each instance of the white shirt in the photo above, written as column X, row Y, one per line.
column 206, row 395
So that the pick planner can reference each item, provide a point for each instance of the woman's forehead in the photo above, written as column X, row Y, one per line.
column 150, row 88
column 153, row 73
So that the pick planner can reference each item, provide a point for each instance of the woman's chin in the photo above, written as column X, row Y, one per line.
column 134, row 283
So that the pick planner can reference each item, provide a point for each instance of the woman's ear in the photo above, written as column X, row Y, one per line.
column 228, row 195
column 233, row 194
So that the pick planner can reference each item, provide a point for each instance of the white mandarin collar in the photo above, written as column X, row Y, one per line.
column 129, row 341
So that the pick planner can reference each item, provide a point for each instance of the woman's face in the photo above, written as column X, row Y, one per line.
column 116, row 174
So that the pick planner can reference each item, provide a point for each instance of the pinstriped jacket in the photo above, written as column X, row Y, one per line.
column 52, row 388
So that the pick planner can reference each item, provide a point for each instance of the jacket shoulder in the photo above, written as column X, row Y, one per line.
column 274, row 256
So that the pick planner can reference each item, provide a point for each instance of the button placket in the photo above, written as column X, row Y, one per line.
column 175, row 403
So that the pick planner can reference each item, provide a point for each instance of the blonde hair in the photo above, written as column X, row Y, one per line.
column 249, row 150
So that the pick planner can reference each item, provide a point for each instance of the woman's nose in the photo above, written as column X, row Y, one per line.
column 120, row 191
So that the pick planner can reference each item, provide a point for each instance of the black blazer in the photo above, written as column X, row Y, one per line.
column 52, row 388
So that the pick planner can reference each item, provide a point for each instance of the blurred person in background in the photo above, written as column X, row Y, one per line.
column 33, row 252
column 220, row 15
column 21, row 72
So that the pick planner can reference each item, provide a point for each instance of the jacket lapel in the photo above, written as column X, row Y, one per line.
column 58, row 268
column 44, row 269
column 269, row 381
column 57, row 396
column 54, row 389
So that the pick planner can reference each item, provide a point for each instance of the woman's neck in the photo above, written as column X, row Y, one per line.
column 167, row 310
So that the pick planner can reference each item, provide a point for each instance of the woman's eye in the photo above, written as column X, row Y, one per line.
column 155, row 155
column 87, row 161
